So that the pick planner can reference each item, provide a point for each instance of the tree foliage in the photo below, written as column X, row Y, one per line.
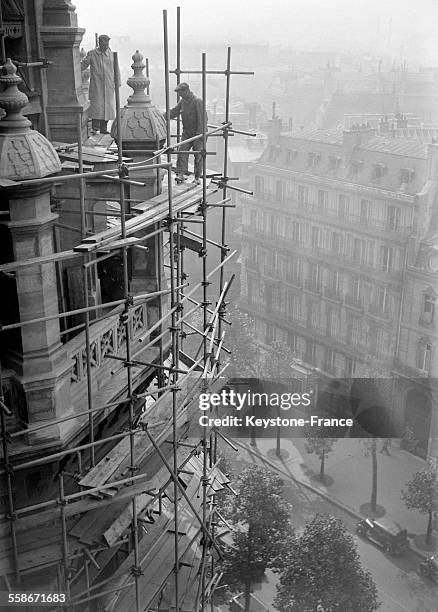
column 263, row 529
column 323, row 566
column 421, row 494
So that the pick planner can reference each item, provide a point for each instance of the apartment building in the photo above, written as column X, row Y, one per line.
column 331, row 244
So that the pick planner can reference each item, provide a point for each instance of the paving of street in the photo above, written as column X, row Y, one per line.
column 399, row 585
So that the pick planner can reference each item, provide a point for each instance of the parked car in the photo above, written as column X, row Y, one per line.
column 386, row 533
column 429, row 568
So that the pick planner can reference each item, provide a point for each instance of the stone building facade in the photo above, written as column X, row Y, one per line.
column 331, row 248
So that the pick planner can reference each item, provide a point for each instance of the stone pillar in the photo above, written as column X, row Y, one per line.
column 143, row 131
column 40, row 362
column 67, row 97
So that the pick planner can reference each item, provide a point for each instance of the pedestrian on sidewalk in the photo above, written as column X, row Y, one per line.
column 386, row 446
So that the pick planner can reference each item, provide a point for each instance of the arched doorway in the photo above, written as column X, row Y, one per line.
column 418, row 414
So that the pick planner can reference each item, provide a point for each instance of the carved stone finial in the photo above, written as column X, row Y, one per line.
column 24, row 153
column 12, row 100
column 138, row 81
column 143, row 125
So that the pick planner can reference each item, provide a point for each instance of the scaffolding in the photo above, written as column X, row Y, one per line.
column 172, row 494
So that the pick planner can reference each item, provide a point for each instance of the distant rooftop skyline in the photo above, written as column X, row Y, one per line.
column 401, row 28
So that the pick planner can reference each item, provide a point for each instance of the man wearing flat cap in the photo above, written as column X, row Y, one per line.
column 102, row 103
column 190, row 109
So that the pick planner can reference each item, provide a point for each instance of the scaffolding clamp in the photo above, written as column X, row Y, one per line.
column 202, row 253
column 12, row 516
column 136, row 571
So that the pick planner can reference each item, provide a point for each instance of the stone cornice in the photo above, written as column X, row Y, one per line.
column 339, row 183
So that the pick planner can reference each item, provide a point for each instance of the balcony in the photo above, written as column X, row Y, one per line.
column 353, row 302
column 252, row 265
column 377, row 312
column 332, row 294
column 312, row 286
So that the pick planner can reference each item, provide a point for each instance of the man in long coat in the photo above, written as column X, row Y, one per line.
column 102, row 102
column 191, row 111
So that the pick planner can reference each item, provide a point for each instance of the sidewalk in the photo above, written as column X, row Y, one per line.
column 350, row 470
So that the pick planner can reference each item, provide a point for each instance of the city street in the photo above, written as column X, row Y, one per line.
column 400, row 587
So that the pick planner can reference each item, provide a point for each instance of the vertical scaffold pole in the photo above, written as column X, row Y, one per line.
column 224, row 193
column 82, row 187
column 174, row 330
column 9, row 474
column 205, row 284
column 136, row 569
column 62, row 504
column 178, row 66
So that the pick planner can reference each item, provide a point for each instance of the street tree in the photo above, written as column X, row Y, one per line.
column 317, row 443
column 263, row 531
column 323, row 569
column 421, row 494
column 244, row 360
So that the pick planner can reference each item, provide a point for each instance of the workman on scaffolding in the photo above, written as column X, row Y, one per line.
column 191, row 110
column 101, row 93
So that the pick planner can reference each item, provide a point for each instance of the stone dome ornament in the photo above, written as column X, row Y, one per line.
column 142, row 124
column 24, row 153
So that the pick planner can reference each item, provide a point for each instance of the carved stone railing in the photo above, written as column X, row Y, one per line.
column 106, row 337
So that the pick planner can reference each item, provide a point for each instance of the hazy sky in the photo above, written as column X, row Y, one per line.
column 407, row 28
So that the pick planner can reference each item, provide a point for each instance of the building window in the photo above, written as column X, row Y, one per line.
column 296, row 272
column 379, row 170
column 330, row 360
column 303, row 194
column 356, row 290
column 333, row 283
column 333, row 326
column 355, row 331
column 310, row 351
column 407, row 175
column 296, row 308
column 350, row 367
column 274, row 223
column 365, row 208
column 424, row 355
column 382, row 299
column 428, row 310
column 291, row 154
column 270, row 333
column 393, row 218
column 315, row 277
column 343, row 204
column 316, row 237
column 259, row 186
column 322, row 199
column 386, row 258
column 280, row 190
column 314, row 159
column 336, row 243
column 334, row 161
column 297, row 233
column 291, row 340
column 356, row 166
column 359, row 250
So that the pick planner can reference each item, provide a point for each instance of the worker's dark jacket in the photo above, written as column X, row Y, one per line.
column 191, row 114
